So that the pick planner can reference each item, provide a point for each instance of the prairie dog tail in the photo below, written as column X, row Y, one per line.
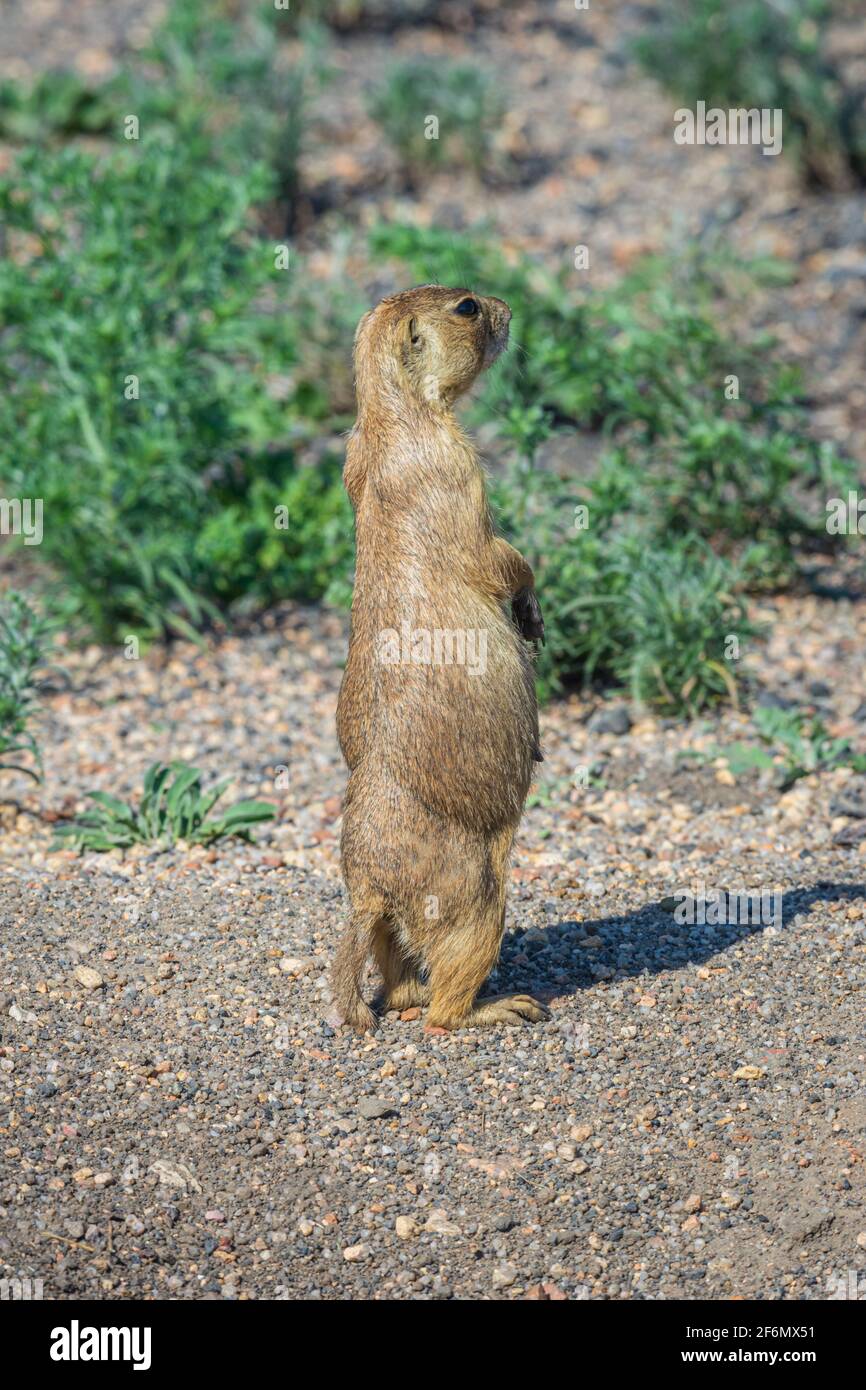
column 348, row 967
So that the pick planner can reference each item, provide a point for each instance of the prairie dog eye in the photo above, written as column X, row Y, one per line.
column 467, row 307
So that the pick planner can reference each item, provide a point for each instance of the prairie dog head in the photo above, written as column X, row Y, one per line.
column 431, row 342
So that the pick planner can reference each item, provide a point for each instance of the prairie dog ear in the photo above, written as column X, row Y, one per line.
column 408, row 332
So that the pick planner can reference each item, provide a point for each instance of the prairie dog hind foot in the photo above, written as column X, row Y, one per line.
column 508, row 1010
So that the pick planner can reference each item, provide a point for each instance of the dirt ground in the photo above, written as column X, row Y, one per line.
column 181, row 1120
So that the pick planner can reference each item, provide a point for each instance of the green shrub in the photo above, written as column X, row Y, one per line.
column 679, row 612
column 649, row 362
column 56, row 103
column 752, row 53
column 25, row 647
column 697, row 497
column 649, row 353
column 169, row 810
column 288, row 535
column 209, row 77
column 791, row 743
column 136, row 267
column 158, row 370
column 460, row 96
column 621, row 604
column 217, row 62
column 136, row 376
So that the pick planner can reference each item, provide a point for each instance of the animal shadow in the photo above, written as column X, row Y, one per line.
column 559, row 959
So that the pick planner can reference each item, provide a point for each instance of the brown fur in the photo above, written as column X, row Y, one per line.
column 440, row 756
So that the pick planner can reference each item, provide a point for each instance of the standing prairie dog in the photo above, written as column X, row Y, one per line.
column 437, row 717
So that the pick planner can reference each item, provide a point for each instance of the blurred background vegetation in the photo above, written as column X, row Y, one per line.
column 175, row 372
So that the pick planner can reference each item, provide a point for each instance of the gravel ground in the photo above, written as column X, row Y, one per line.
column 179, row 1119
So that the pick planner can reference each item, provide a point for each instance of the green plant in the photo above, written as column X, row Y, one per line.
column 286, row 533
column 154, row 395
column 209, row 77
column 758, row 54
column 649, row 363
column 621, row 604
column 57, row 103
column 103, row 321
column 25, row 646
column 701, row 494
column 801, row 743
column 173, row 807
column 159, row 367
column 679, row 610
column 459, row 97
column 218, row 63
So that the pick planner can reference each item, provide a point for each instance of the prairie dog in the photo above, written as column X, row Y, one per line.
column 437, row 716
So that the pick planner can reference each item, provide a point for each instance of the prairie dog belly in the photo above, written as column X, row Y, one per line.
column 454, row 716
